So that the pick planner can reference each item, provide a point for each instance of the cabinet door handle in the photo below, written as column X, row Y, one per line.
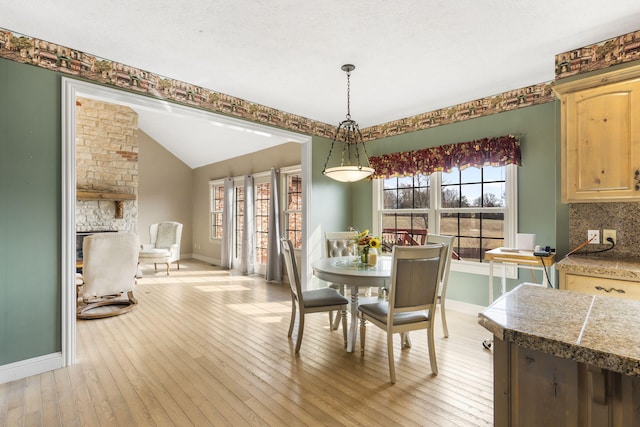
column 600, row 288
column 636, row 176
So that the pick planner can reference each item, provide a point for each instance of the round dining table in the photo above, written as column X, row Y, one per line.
column 349, row 271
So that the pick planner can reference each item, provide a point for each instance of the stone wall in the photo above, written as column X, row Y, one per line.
column 107, row 162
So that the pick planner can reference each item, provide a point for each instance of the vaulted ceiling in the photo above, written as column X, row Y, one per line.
column 411, row 57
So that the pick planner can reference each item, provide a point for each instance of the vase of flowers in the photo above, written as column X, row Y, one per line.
column 367, row 247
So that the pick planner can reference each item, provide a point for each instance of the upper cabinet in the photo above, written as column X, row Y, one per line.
column 600, row 152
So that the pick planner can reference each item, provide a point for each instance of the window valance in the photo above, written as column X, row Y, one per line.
column 497, row 151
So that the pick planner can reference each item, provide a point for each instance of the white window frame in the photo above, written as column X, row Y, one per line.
column 285, row 173
column 259, row 178
column 212, row 188
column 510, row 217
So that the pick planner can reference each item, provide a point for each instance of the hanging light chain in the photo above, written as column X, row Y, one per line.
column 348, row 94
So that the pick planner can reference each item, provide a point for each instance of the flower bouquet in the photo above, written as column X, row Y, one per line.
column 367, row 247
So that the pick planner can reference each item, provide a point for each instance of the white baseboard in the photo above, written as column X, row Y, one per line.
column 206, row 259
column 29, row 367
column 463, row 307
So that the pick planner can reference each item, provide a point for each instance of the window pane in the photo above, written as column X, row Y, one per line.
column 239, row 220
column 494, row 195
column 406, row 192
column 470, row 175
column 294, row 192
column 263, row 193
column 217, row 207
column 471, row 194
column 476, row 232
column 294, row 229
column 217, row 225
column 404, row 229
column 293, row 218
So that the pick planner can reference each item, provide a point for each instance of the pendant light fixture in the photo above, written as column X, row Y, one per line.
column 353, row 165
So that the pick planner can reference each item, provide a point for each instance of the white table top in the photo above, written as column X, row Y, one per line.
column 349, row 271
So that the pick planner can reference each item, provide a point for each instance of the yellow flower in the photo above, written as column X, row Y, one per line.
column 374, row 243
column 364, row 233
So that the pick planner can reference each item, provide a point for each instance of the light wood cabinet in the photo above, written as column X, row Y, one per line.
column 600, row 286
column 600, row 137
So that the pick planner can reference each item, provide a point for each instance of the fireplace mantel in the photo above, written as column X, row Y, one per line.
column 118, row 198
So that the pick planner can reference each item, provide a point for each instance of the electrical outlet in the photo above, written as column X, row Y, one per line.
column 608, row 234
column 593, row 236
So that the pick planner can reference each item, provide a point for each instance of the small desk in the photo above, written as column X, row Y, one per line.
column 348, row 271
column 521, row 259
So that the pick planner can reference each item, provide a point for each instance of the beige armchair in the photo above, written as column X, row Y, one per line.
column 163, row 246
column 108, row 271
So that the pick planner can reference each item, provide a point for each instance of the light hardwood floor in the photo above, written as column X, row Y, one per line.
column 206, row 348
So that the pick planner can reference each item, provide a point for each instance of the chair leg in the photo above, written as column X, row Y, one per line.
column 343, row 313
column 293, row 317
column 300, row 332
column 445, row 330
column 363, row 335
column 155, row 266
column 405, row 340
column 330, row 320
column 336, row 322
column 392, row 368
column 168, row 265
column 432, row 351
column 178, row 263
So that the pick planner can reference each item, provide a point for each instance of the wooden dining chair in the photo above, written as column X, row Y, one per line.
column 413, row 295
column 311, row 301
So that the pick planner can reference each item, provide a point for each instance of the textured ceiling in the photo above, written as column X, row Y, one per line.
column 411, row 56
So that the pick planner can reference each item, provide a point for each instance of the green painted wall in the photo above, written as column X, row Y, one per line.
column 30, row 215
column 539, row 209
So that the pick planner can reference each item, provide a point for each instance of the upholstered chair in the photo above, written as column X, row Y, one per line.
column 413, row 295
column 311, row 301
column 163, row 246
column 339, row 243
column 108, row 272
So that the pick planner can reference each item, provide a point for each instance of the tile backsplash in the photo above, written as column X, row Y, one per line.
column 624, row 217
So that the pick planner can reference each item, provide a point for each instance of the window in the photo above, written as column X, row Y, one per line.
column 293, row 209
column 477, row 205
column 263, row 194
column 239, row 221
column 216, row 194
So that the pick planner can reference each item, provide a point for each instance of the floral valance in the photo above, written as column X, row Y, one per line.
column 498, row 151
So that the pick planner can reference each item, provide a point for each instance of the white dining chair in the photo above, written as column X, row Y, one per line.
column 444, row 278
column 339, row 243
column 311, row 301
column 413, row 295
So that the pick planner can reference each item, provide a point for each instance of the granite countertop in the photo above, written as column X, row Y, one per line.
column 615, row 268
column 596, row 330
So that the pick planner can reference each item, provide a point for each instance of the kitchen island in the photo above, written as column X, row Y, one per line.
column 564, row 358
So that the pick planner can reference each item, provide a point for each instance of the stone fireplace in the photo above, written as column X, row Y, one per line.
column 106, row 167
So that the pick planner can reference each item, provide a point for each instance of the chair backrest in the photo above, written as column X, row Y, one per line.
column 292, row 269
column 110, row 263
column 445, row 240
column 340, row 243
column 167, row 235
column 415, row 273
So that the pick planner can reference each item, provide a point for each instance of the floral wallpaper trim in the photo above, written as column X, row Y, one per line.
column 28, row 50
column 497, row 151
column 618, row 50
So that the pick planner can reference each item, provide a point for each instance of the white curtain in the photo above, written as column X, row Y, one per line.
column 249, row 229
column 226, row 247
column 274, row 265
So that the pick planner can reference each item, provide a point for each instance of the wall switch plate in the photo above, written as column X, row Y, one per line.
column 608, row 233
column 593, row 236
